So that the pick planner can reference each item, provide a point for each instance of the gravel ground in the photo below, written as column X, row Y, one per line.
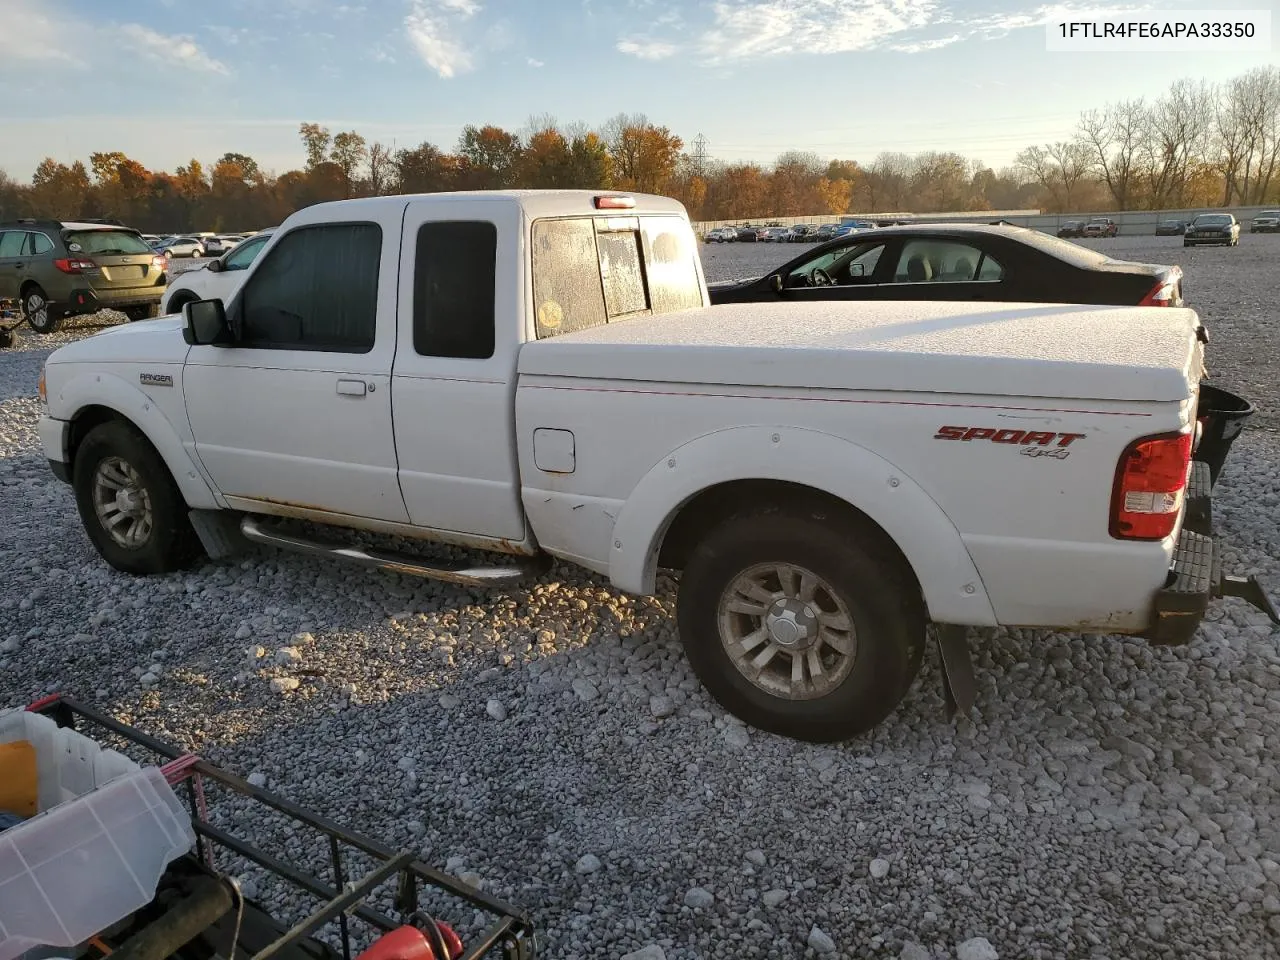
column 1108, row 798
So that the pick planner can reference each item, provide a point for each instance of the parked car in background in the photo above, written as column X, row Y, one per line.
column 775, row 235
column 721, row 235
column 1268, row 221
column 824, row 232
column 1071, row 228
column 218, row 279
column 60, row 268
column 798, row 234
column 959, row 261
column 1171, row 228
column 150, row 238
column 1222, row 228
column 217, row 246
column 1101, row 227
column 180, row 247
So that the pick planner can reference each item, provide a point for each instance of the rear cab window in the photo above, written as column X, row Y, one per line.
column 589, row 271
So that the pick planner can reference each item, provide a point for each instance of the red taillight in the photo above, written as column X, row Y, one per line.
column 615, row 203
column 75, row 265
column 1151, row 480
column 159, row 262
column 1166, row 293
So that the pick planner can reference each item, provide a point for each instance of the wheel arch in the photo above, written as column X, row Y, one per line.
column 99, row 398
column 708, row 477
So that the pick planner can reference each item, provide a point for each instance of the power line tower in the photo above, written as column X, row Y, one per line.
column 698, row 158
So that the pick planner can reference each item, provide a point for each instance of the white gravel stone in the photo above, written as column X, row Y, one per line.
column 587, row 863
column 496, row 709
column 773, row 898
column 248, row 887
column 651, row 952
column 879, row 868
column 287, row 656
column 585, row 689
column 819, row 942
column 914, row 951
column 978, row 948
column 285, row 684
column 257, row 779
column 736, row 736
column 449, row 702
column 662, row 706
column 698, row 898
column 756, row 858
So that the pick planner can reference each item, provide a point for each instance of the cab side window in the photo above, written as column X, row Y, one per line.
column 944, row 261
column 454, row 286
column 38, row 244
column 12, row 242
column 317, row 290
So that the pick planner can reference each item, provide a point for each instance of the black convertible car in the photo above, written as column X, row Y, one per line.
column 959, row 262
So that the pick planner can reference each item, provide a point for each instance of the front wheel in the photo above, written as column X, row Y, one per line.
column 129, row 505
column 801, row 624
column 40, row 316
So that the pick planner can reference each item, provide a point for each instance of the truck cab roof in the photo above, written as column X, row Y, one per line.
column 535, row 204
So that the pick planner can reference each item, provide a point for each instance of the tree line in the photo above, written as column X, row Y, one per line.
column 1198, row 145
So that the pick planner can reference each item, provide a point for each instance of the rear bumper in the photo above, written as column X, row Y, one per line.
column 1195, row 573
column 88, row 300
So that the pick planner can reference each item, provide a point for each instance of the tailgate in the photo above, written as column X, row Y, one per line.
column 122, row 259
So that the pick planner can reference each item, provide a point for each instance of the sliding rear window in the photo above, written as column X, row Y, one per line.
column 591, row 271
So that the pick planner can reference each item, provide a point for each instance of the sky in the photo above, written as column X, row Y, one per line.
column 166, row 81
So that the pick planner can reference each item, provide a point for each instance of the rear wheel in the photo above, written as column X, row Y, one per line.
column 180, row 300
column 146, row 312
column 801, row 624
column 129, row 505
column 35, row 307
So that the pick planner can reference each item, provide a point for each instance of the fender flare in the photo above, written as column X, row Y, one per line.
column 107, row 390
column 949, row 581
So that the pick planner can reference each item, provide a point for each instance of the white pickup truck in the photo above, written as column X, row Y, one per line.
column 538, row 374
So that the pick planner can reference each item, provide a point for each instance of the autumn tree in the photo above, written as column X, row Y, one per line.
column 349, row 153
column 546, row 161
column 381, row 169
column 315, row 141
column 645, row 157
column 425, row 169
column 58, row 190
column 590, row 165
column 490, row 157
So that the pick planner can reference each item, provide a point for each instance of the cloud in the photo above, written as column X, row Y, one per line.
column 176, row 49
column 920, row 46
column 31, row 34
column 432, row 29
column 744, row 29
column 647, row 49
column 536, row 63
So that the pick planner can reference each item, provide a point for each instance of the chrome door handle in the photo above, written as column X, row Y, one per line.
column 351, row 388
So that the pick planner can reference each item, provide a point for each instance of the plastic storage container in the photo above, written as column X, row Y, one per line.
column 96, row 850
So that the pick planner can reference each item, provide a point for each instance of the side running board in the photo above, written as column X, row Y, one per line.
column 514, row 572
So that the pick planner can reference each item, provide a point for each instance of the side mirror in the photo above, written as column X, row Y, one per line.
column 205, row 322
column 775, row 283
column 856, row 270
column 215, row 266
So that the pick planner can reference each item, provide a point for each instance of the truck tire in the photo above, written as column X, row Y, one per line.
column 41, row 317
column 129, row 505
column 767, row 597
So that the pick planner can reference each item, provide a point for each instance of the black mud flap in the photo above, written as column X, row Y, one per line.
column 1251, row 590
column 959, row 686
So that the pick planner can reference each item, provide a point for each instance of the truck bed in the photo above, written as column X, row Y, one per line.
column 1028, row 350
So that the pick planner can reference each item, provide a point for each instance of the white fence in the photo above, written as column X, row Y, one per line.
column 1131, row 222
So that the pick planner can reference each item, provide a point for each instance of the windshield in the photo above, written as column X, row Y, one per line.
column 105, row 242
column 1270, row 213
column 1213, row 219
